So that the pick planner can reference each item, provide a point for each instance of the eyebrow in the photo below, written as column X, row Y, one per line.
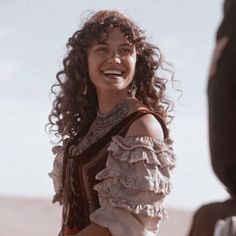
column 122, row 44
column 126, row 44
column 101, row 43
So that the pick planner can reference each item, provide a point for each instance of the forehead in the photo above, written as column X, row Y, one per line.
column 116, row 34
column 112, row 36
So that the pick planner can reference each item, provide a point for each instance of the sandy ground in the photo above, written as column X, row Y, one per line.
column 38, row 217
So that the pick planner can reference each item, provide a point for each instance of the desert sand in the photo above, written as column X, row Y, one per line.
column 38, row 217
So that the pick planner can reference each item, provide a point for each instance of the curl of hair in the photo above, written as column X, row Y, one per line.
column 73, row 111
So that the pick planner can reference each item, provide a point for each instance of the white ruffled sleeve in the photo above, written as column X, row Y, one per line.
column 133, row 185
column 56, row 173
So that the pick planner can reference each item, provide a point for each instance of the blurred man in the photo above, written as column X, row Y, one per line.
column 222, row 123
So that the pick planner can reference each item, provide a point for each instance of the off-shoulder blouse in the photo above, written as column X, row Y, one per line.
column 131, row 187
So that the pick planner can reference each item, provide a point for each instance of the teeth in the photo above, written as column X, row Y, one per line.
column 112, row 72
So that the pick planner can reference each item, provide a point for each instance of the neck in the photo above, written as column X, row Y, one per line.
column 106, row 102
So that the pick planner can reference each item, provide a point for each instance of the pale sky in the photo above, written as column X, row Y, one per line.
column 33, row 35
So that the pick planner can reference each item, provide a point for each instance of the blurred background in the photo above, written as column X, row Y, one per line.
column 33, row 35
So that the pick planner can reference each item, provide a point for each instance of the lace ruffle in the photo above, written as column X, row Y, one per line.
column 160, row 184
column 112, row 198
column 138, row 208
column 120, row 222
column 135, row 149
column 56, row 173
column 136, row 176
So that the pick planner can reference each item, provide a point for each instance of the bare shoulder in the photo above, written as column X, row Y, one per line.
column 146, row 125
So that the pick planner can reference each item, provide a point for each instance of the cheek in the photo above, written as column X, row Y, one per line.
column 132, row 63
column 91, row 63
column 94, row 62
column 92, row 68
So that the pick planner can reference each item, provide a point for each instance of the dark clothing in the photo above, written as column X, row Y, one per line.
column 222, row 124
column 228, row 25
column 80, row 198
column 205, row 218
column 222, row 104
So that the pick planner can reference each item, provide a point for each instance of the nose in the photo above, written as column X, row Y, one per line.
column 114, row 58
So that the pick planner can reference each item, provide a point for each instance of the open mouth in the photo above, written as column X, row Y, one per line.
column 112, row 72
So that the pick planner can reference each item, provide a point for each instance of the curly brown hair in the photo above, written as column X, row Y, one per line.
column 73, row 111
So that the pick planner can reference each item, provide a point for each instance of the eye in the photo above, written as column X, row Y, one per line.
column 126, row 51
column 102, row 50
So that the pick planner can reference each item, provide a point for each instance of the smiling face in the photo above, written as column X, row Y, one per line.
column 111, row 64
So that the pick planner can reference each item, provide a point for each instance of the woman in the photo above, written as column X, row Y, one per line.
column 112, row 171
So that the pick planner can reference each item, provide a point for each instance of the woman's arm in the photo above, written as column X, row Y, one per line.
column 146, row 125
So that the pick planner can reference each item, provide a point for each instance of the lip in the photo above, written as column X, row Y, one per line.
column 112, row 76
column 113, row 70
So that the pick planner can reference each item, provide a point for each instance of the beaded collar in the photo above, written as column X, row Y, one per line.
column 102, row 124
column 114, row 116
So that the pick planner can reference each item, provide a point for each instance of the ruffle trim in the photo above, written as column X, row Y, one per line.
column 152, row 210
column 58, row 197
column 56, row 173
column 135, row 149
column 111, row 178
column 111, row 194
